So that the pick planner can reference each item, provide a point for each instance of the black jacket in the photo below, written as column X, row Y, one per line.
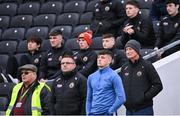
column 108, row 16
column 141, row 84
column 86, row 61
column 119, row 58
column 50, row 63
column 69, row 94
column 144, row 32
column 169, row 32
column 44, row 97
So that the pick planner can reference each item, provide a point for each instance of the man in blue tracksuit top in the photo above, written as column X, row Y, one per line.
column 105, row 92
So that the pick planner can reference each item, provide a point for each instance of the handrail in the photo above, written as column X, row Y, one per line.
column 161, row 50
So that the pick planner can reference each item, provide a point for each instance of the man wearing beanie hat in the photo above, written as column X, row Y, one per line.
column 141, row 81
column 169, row 30
column 86, row 57
column 30, row 97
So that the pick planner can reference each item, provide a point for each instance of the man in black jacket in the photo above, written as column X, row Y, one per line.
column 68, row 89
column 137, row 26
column 51, row 59
column 141, row 81
column 86, row 57
column 109, row 16
column 119, row 57
column 169, row 30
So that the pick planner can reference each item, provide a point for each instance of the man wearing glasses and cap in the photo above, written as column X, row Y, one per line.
column 29, row 97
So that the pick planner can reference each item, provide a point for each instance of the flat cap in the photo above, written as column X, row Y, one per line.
column 28, row 67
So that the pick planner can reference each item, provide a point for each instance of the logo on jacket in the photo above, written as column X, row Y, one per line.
column 97, row 10
column 49, row 59
column 165, row 23
column 71, row 85
column 107, row 8
column 36, row 60
column 60, row 58
column 139, row 73
column 126, row 74
column 85, row 59
column 176, row 25
column 59, row 85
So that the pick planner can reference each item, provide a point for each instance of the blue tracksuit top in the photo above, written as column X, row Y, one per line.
column 105, row 92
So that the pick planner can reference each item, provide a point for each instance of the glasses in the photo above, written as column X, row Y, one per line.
column 62, row 63
column 25, row 73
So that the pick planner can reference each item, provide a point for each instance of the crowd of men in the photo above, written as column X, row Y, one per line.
column 85, row 81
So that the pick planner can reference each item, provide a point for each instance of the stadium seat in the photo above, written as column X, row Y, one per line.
column 24, row 21
column 3, row 103
column 75, row 6
column 41, row 32
column 66, row 31
column 145, row 4
column 6, row 89
column 45, row 46
column 156, row 27
column 91, row 5
column 8, row 47
column 86, row 18
column 54, row 7
column 14, row 34
column 4, row 22
column 145, row 52
column 18, row 58
column 29, row 8
column 79, row 29
column 71, row 19
column 63, row 1
column 145, row 12
column 0, row 34
column 45, row 20
column 97, row 43
column 72, row 44
column 13, row 1
column 8, row 9
column 22, row 47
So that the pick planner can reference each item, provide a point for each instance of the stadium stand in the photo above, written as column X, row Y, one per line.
column 4, row 22
column 13, row 34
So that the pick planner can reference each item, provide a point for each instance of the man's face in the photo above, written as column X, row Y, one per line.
column 28, row 76
column 67, row 64
column 103, row 60
column 56, row 41
column 172, row 9
column 108, row 43
column 32, row 46
column 131, row 53
column 83, row 43
column 131, row 10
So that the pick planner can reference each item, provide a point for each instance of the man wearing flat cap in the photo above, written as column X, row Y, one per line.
column 141, row 81
column 29, row 97
column 169, row 30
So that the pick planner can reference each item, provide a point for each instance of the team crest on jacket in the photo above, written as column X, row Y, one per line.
column 165, row 23
column 176, row 25
column 59, row 85
column 60, row 58
column 85, row 59
column 107, row 8
column 71, row 85
column 36, row 60
column 139, row 73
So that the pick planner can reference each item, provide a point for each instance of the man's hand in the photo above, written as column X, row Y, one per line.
column 128, row 29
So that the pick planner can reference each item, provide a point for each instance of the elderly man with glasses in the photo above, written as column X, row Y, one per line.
column 29, row 97
column 68, row 89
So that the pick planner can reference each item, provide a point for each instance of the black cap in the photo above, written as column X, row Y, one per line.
column 134, row 45
column 172, row 1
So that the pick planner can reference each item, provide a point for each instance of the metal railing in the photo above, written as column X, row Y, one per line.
column 159, row 51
